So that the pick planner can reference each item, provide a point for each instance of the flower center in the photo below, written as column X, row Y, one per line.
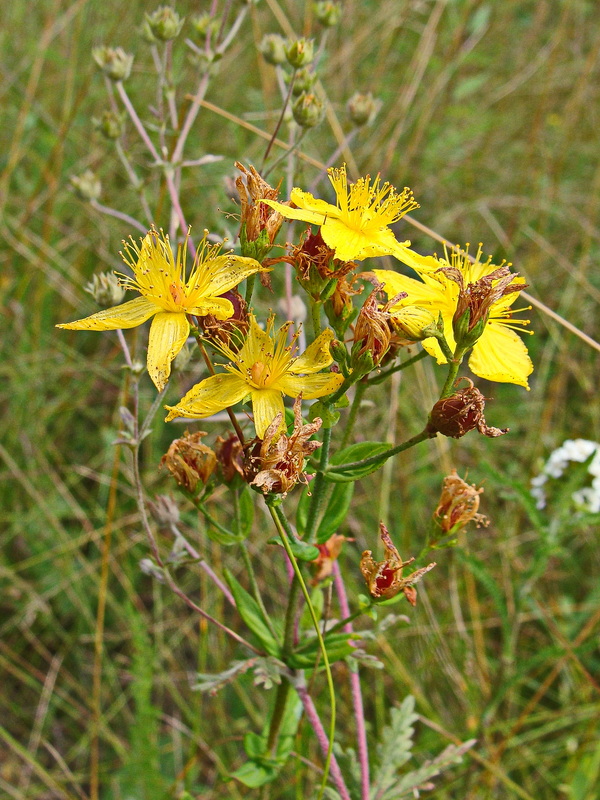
column 260, row 375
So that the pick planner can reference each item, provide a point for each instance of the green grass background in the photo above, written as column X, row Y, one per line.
column 490, row 114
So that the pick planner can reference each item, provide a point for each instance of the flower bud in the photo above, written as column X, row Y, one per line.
column 327, row 13
column 413, row 322
column 87, row 186
column 303, row 81
column 362, row 108
column 114, row 62
column 203, row 24
column 105, row 289
column 111, row 124
column 300, row 53
column 308, row 110
column 165, row 23
column 189, row 461
column 272, row 48
column 460, row 413
column 164, row 510
column 459, row 504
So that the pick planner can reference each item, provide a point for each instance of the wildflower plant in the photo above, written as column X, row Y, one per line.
column 281, row 405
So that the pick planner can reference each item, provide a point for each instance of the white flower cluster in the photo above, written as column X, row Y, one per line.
column 587, row 498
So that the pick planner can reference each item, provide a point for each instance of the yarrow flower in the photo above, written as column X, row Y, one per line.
column 571, row 451
column 358, row 226
column 480, row 290
column 168, row 295
column 264, row 369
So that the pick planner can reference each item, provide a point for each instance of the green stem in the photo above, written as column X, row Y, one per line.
column 250, row 288
column 277, row 516
column 361, row 388
column 318, row 488
column 315, row 313
column 408, row 363
column 278, row 710
column 255, row 590
column 454, row 366
column 367, row 462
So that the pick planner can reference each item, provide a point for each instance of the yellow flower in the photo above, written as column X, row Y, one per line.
column 357, row 227
column 499, row 354
column 168, row 296
column 264, row 370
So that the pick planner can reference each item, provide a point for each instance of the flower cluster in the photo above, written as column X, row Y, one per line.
column 572, row 451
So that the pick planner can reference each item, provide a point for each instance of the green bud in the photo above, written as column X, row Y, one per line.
column 361, row 363
column 300, row 53
column 114, row 62
column 308, row 110
column 272, row 48
column 165, row 23
column 105, row 289
column 203, row 24
column 303, row 81
column 362, row 108
column 328, row 13
column 111, row 124
column 87, row 186
column 465, row 338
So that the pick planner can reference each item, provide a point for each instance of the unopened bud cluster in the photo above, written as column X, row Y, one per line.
column 114, row 62
column 164, row 23
column 362, row 108
column 105, row 289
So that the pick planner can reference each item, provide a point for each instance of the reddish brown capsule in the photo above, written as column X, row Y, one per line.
column 460, row 413
column 189, row 461
column 384, row 578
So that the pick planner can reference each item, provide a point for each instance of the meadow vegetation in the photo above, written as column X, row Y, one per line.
column 489, row 112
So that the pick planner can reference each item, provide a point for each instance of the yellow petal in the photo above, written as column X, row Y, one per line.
column 416, row 260
column 127, row 315
column 310, row 386
column 210, row 396
column 168, row 334
column 501, row 355
column 257, row 347
column 266, row 404
column 419, row 293
column 229, row 270
column 348, row 244
column 315, row 217
column 316, row 357
column 219, row 307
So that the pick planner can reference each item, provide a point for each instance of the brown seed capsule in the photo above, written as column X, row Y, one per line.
column 230, row 457
column 256, row 216
column 460, row 413
column 459, row 504
column 189, row 461
column 278, row 465
column 384, row 578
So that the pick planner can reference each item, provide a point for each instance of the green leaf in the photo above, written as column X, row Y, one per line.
column 356, row 452
column 336, row 511
column 338, row 646
column 396, row 744
column 253, row 774
column 252, row 615
column 302, row 550
column 246, row 512
column 325, row 412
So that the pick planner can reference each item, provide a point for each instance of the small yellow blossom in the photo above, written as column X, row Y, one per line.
column 168, row 296
column 499, row 354
column 263, row 370
column 357, row 227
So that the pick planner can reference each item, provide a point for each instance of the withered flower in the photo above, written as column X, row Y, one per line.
column 260, row 223
column 384, row 578
column 280, row 460
column 189, row 461
column 475, row 300
column 230, row 457
column 459, row 504
column 317, row 269
column 230, row 332
column 372, row 332
column 460, row 413
column 328, row 553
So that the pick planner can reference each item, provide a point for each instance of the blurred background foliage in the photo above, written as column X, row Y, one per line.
column 490, row 114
